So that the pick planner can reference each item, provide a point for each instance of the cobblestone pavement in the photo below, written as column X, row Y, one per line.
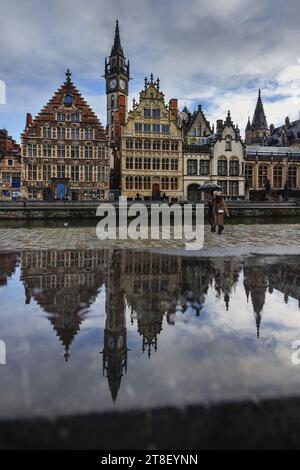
column 236, row 239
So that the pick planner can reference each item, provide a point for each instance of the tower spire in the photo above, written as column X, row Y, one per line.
column 117, row 48
column 259, row 118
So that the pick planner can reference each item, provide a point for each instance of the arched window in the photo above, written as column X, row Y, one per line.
column 292, row 176
column 249, row 175
column 262, row 175
column 277, row 176
column 112, row 101
column 222, row 166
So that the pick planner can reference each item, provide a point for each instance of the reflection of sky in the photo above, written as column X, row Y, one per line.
column 214, row 357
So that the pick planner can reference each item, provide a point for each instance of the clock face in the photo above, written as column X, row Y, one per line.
column 122, row 84
column 113, row 83
column 68, row 100
column 111, row 342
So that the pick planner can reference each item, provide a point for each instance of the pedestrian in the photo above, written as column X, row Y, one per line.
column 220, row 210
column 286, row 191
column 210, row 211
column 268, row 190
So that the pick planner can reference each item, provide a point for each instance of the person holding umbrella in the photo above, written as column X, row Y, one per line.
column 210, row 188
column 220, row 210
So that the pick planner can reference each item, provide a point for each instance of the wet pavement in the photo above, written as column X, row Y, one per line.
column 137, row 330
column 236, row 239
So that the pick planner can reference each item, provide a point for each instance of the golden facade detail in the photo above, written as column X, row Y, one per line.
column 152, row 163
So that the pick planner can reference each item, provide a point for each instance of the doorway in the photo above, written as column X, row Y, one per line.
column 155, row 192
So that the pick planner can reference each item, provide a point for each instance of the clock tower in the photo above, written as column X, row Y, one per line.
column 117, row 78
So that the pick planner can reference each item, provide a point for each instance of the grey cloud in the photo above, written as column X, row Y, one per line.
column 193, row 46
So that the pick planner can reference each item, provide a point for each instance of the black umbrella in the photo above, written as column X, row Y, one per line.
column 209, row 187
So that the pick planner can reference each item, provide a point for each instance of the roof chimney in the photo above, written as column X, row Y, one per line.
column 173, row 106
column 219, row 125
column 28, row 119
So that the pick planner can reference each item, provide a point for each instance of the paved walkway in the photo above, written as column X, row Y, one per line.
column 237, row 239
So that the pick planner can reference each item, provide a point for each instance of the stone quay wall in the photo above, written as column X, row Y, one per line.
column 87, row 210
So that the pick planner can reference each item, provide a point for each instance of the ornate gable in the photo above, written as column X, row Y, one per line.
column 68, row 100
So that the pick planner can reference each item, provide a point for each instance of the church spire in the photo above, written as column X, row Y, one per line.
column 259, row 120
column 248, row 127
column 117, row 48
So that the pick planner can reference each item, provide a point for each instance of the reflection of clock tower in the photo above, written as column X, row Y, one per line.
column 115, row 337
column 117, row 78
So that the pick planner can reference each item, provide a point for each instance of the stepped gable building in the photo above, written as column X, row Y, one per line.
column 117, row 76
column 10, row 167
column 65, row 150
column 257, row 132
column 220, row 160
column 64, row 284
column 152, row 164
column 8, row 264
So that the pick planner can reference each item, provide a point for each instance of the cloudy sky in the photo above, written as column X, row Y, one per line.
column 205, row 51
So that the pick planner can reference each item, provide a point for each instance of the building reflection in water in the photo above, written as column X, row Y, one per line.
column 64, row 284
column 152, row 285
column 8, row 264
